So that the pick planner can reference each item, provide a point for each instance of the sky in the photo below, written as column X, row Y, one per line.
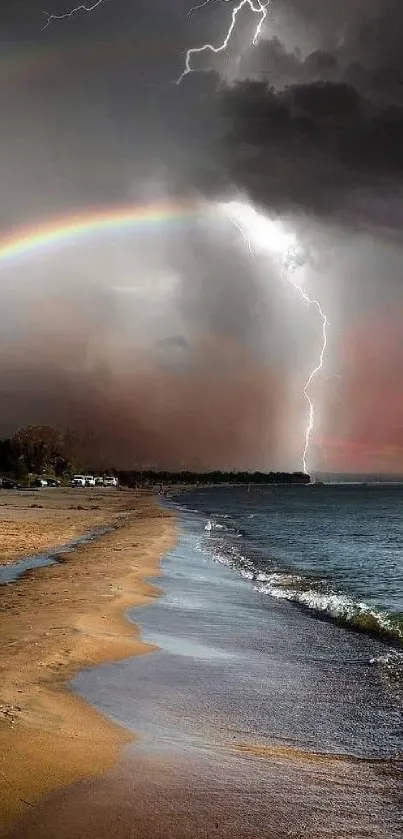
column 173, row 342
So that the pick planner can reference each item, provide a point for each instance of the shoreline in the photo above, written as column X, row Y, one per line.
column 33, row 522
column 55, row 622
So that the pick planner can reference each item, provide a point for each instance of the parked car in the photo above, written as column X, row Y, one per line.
column 110, row 482
column 53, row 482
column 99, row 482
column 7, row 484
column 89, row 481
column 78, row 481
column 39, row 482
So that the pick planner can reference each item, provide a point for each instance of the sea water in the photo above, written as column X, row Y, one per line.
column 335, row 550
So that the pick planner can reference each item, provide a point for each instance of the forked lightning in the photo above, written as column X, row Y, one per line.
column 311, row 422
column 256, row 6
column 71, row 13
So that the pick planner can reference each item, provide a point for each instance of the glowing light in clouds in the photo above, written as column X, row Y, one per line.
column 270, row 236
column 260, row 231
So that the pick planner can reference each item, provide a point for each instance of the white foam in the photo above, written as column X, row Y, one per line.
column 297, row 589
column 337, row 606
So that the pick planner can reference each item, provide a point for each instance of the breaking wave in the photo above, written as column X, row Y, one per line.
column 314, row 595
column 337, row 606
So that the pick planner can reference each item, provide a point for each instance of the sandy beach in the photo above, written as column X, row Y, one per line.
column 40, row 520
column 56, row 621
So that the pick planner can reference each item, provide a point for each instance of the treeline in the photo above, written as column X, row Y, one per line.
column 151, row 477
column 39, row 450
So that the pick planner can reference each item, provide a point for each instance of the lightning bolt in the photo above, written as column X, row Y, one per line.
column 256, row 6
column 200, row 6
column 319, row 367
column 257, row 230
column 77, row 10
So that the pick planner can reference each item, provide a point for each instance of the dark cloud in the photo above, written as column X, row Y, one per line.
column 306, row 131
column 313, row 147
column 363, row 48
column 320, row 132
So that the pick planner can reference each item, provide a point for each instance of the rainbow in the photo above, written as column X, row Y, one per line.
column 69, row 229
column 27, row 63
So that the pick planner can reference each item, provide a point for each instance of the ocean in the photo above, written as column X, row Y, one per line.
column 335, row 550
column 273, row 704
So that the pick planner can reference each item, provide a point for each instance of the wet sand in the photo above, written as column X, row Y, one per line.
column 53, row 623
column 198, row 794
column 35, row 521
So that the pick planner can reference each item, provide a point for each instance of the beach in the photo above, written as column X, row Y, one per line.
column 34, row 521
column 56, row 620
column 250, row 719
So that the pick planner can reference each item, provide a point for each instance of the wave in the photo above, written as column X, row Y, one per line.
column 312, row 594
column 339, row 607
column 222, row 541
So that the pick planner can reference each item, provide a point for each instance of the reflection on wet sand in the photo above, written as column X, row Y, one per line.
column 189, row 795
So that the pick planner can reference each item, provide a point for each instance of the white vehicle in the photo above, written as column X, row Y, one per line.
column 89, row 480
column 78, row 481
column 110, row 482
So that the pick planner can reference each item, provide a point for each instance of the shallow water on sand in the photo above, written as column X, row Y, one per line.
column 12, row 572
column 257, row 720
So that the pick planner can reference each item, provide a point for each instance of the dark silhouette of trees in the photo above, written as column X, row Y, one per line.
column 7, row 456
column 40, row 447
column 36, row 450
column 150, row 477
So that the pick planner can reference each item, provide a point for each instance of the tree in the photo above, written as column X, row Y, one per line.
column 39, row 445
column 41, row 449
column 7, row 459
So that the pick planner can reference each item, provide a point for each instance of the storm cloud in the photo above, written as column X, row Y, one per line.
column 318, row 148
column 178, row 346
column 319, row 131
